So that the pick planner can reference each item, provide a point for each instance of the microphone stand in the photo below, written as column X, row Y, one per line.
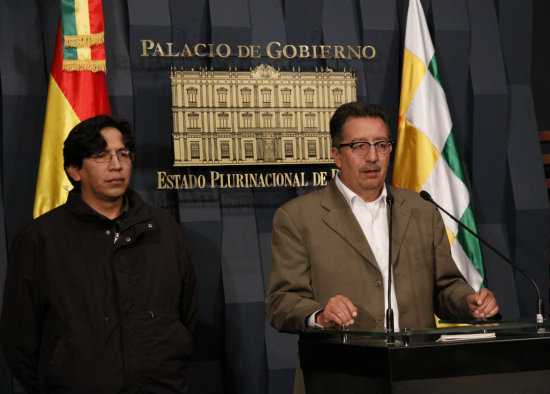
column 389, row 311
column 426, row 196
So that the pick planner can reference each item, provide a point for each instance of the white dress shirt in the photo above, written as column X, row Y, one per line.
column 373, row 219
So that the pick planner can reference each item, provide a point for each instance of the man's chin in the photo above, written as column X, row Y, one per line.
column 371, row 181
column 116, row 188
column 115, row 194
column 370, row 174
column 372, row 186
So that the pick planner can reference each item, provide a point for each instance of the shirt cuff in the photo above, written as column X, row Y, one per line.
column 311, row 320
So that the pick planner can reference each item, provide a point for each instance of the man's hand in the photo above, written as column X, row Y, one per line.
column 339, row 310
column 482, row 304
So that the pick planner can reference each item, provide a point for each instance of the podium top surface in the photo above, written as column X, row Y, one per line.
column 453, row 331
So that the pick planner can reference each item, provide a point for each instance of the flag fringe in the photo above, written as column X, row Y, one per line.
column 84, row 40
column 84, row 65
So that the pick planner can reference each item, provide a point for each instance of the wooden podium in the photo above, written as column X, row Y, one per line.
column 516, row 360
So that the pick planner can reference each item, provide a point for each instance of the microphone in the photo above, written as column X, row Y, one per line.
column 389, row 311
column 426, row 196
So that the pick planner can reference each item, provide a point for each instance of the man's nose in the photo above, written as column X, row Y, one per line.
column 115, row 162
column 372, row 154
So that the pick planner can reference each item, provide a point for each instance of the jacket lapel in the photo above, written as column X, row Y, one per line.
column 401, row 216
column 341, row 220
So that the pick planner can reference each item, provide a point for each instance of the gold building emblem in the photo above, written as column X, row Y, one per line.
column 261, row 116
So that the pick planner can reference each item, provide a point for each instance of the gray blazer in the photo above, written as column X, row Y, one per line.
column 319, row 251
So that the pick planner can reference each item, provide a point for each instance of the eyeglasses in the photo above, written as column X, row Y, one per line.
column 104, row 157
column 361, row 148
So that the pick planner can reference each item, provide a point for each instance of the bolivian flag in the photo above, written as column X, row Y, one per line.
column 426, row 154
column 77, row 91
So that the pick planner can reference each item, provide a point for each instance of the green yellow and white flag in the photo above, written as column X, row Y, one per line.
column 77, row 91
column 426, row 154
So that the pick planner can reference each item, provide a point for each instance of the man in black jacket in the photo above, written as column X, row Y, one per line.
column 100, row 292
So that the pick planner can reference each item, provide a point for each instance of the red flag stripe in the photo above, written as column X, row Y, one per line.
column 85, row 91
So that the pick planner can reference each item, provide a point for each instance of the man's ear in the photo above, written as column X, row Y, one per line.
column 336, row 157
column 73, row 172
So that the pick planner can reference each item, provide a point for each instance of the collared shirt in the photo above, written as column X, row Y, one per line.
column 373, row 219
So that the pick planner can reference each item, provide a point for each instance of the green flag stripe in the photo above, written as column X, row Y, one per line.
column 450, row 153
column 469, row 243
column 434, row 70
column 68, row 24
column 452, row 157
column 450, row 150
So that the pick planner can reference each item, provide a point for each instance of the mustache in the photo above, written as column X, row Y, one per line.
column 370, row 167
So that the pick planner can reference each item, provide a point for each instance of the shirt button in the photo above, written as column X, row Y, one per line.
column 150, row 225
column 128, row 239
column 108, row 232
column 378, row 283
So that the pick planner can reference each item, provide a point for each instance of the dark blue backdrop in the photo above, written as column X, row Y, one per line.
column 493, row 58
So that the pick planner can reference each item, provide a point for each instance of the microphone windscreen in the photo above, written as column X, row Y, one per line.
column 389, row 199
column 425, row 195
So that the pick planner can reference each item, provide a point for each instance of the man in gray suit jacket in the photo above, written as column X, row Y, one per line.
column 330, row 247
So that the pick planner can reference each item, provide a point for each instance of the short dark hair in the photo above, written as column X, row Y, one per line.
column 355, row 109
column 85, row 140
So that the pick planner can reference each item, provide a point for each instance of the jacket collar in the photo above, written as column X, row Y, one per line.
column 340, row 218
column 134, row 207
column 401, row 217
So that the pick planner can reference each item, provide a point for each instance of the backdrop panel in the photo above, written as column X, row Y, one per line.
column 493, row 64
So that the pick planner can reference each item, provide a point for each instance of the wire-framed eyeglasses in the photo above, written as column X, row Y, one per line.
column 104, row 157
column 361, row 148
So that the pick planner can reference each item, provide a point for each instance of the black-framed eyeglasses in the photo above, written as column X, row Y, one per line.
column 361, row 148
column 104, row 157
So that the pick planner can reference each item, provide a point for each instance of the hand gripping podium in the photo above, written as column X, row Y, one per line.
column 490, row 358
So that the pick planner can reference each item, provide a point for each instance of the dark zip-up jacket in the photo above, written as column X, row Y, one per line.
column 93, row 305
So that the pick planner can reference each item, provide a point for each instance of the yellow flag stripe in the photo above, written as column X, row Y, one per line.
column 413, row 73
column 411, row 145
column 450, row 235
column 82, row 16
column 52, row 191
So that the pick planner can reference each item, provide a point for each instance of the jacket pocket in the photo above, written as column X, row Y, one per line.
column 70, row 360
column 58, row 366
column 164, row 338
column 62, row 355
